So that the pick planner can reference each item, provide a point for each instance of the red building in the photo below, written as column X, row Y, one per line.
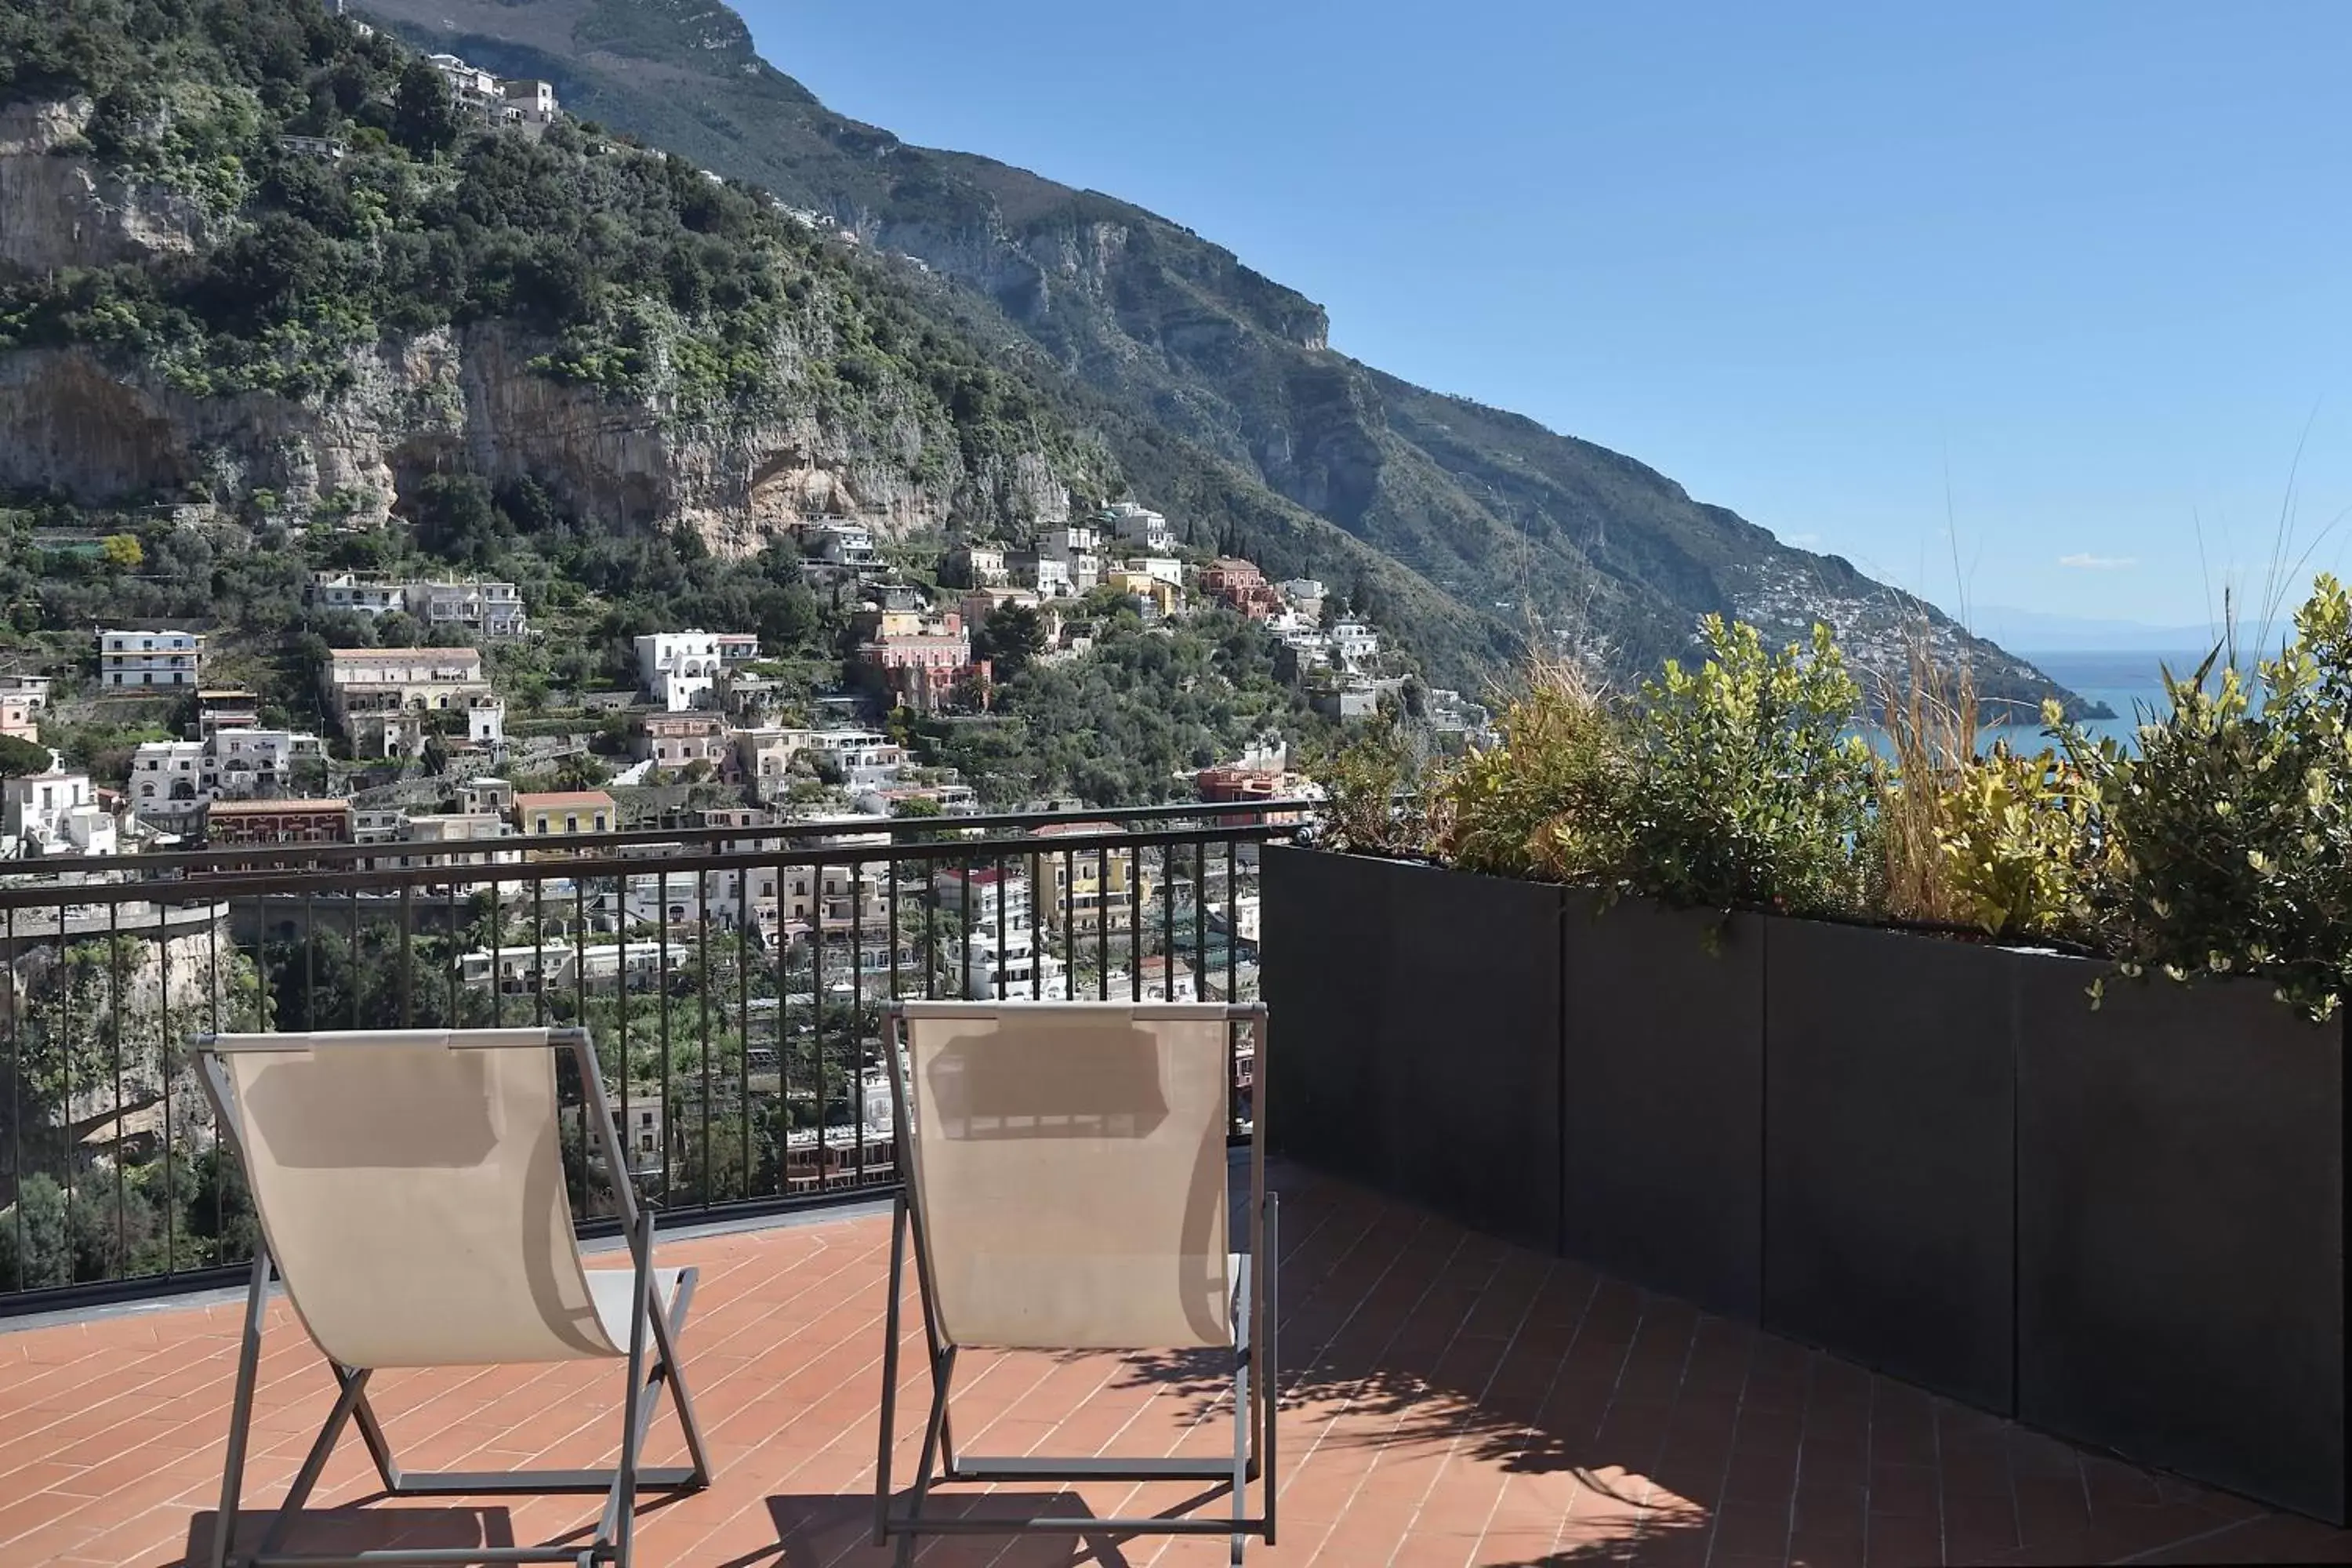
column 231, row 822
column 1240, row 585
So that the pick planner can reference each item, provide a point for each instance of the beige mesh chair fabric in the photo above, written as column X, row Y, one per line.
column 1068, row 1175
column 410, row 1188
column 1069, row 1163
column 412, row 1196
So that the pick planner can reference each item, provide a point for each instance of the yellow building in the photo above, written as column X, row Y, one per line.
column 1165, row 597
column 1088, row 887
column 566, row 812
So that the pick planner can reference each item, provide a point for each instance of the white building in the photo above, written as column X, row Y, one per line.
column 1354, row 641
column 149, row 658
column 838, row 544
column 250, row 764
column 1042, row 574
column 1303, row 591
column 532, row 101
column 167, row 783
column 680, row 670
column 491, row 609
column 1136, row 525
column 55, row 814
column 1069, row 543
column 1159, row 568
column 1001, row 959
column 864, row 759
column 381, row 695
column 171, row 781
column 32, row 691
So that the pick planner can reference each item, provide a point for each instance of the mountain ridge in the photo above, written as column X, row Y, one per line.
column 1521, row 526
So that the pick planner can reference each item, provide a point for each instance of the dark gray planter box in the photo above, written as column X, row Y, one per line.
column 2181, row 1230
column 1661, row 1147
column 1321, row 1085
column 1439, row 1032
column 1889, row 1168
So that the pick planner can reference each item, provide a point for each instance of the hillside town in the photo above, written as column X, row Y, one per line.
column 416, row 764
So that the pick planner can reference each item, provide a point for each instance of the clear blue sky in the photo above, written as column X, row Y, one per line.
column 2094, row 261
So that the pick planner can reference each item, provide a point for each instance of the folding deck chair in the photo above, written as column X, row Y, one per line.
column 1067, row 1187
column 409, row 1189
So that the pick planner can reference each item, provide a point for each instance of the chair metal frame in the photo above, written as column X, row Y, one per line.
column 612, row 1542
column 1256, row 1393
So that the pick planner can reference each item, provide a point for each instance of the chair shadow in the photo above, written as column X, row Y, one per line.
column 355, row 1528
column 839, row 1530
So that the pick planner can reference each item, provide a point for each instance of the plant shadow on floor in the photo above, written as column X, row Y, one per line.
column 839, row 1532
column 1562, row 1390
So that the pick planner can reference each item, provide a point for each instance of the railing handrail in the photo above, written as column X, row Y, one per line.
column 557, row 859
column 244, row 857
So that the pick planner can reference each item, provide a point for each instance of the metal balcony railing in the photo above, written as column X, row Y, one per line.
column 732, row 978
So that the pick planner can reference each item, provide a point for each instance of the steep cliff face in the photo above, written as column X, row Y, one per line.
column 59, row 207
column 101, row 431
column 112, row 417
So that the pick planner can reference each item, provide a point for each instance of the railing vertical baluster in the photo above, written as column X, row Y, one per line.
column 309, row 957
column 64, row 1043
column 122, row 1133
column 963, row 936
column 743, row 927
column 539, row 952
column 931, row 932
column 817, row 1013
column 703, row 1013
column 498, row 957
column 1233, row 922
column 857, row 1013
column 15, row 1092
column 1102, row 919
column 1200, row 921
column 1069, row 921
column 997, row 990
column 219, row 914
column 588, row 1134
column 623, row 1006
column 1134, row 923
column 167, row 1051
column 358, row 968
column 407, row 955
column 670, row 1141
column 455, row 926
column 1167, row 923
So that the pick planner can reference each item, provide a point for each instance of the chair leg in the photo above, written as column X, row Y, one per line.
column 240, row 1418
column 1244, row 1402
column 625, row 1481
column 890, row 1330
column 1269, row 1376
column 933, row 1428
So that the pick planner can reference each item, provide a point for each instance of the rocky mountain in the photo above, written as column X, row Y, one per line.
column 1180, row 341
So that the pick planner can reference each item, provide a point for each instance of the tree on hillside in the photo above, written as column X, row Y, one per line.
column 424, row 118
column 22, row 758
column 1013, row 636
column 121, row 552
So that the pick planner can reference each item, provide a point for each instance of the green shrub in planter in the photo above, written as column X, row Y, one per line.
column 1745, row 791
column 2232, row 829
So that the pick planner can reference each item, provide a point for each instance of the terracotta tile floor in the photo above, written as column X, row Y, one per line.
column 1449, row 1400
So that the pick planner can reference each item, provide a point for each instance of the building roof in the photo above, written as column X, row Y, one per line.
column 405, row 655
column 556, row 799
column 275, row 808
column 1057, row 829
